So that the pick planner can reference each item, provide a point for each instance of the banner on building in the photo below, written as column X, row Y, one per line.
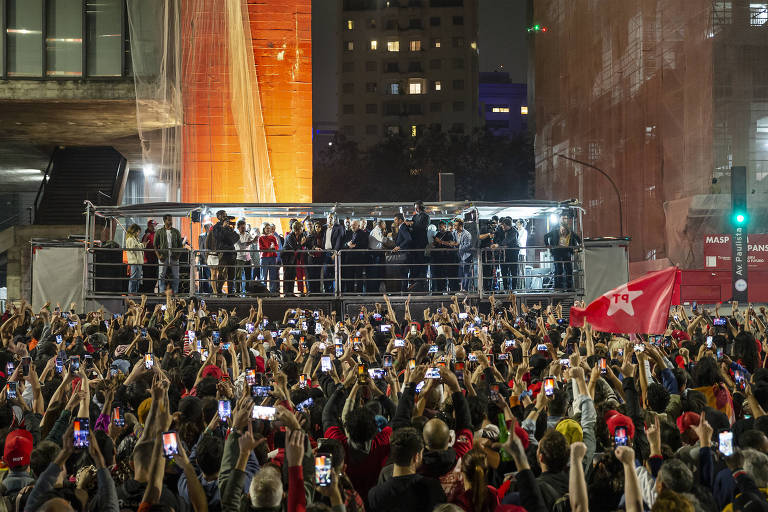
column 718, row 251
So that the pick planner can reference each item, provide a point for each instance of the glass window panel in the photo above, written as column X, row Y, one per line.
column 25, row 38
column 104, row 24
column 64, row 38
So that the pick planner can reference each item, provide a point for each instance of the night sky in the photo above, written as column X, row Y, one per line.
column 502, row 42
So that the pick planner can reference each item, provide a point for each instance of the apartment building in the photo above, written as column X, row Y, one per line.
column 407, row 66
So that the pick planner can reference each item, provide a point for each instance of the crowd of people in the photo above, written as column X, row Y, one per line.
column 176, row 407
column 405, row 255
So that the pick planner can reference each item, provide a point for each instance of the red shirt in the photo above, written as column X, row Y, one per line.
column 364, row 470
column 268, row 242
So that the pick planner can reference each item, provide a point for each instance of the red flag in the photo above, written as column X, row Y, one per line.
column 641, row 305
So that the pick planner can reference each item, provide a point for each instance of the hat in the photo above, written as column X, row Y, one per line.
column 150, row 221
column 122, row 365
column 678, row 335
column 571, row 430
column 687, row 420
column 144, row 410
column 490, row 431
column 523, row 435
column 18, row 446
column 615, row 419
column 212, row 371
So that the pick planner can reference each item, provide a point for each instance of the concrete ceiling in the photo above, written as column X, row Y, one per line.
column 29, row 130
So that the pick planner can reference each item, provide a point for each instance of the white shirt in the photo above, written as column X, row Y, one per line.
column 169, row 236
column 376, row 238
column 328, row 243
column 522, row 240
column 243, row 247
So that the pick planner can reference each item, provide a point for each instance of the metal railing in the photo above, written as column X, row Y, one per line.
column 345, row 272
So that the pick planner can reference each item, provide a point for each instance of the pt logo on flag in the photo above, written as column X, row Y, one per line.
column 621, row 299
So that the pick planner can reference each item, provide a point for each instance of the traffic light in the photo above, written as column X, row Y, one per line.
column 739, row 215
column 537, row 28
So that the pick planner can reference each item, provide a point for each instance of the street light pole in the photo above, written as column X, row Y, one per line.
column 615, row 188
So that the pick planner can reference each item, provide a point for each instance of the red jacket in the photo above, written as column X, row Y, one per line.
column 268, row 242
column 364, row 471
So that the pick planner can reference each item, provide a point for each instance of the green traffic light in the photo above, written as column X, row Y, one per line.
column 536, row 27
column 739, row 218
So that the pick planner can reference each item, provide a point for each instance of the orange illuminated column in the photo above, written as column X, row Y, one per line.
column 280, row 31
column 282, row 49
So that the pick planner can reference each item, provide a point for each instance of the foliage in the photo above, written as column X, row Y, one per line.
column 400, row 168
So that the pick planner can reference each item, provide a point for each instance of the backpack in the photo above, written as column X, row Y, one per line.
column 561, row 504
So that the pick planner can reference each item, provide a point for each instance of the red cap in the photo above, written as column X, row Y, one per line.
column 615, row 419
column 150, row 221
column 687, row 420
column 523, row 435
column 18, row 446
column 212, row 371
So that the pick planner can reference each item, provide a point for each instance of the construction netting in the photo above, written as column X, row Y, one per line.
column 665, row 97
column 203, row 72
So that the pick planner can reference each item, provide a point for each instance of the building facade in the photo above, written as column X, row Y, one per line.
column 407, row 66
column 664, row 97
column 503, row 104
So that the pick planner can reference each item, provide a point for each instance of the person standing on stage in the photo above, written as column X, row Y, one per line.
column 418, row 226
column 149, row 271
column 561, row 242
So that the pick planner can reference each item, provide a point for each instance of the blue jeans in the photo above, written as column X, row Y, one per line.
column 465, row 273
column 174, row 266
column 269, row 271
column 204, row 278
column 135, row 281
column 242, row 274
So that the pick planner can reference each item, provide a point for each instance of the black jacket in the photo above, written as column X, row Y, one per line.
column 222, row 239
column 337, row 237
column 552, row 239
column 419, row 230
column 408, row 493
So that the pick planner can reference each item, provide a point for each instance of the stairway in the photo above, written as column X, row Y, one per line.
column 77, row 174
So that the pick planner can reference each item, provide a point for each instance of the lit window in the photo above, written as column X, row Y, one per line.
column 523, row 111
column 438, row 86
column 393, row 46
column 394, row 88
column 374, row 44
column 349, row 46
column 414, row 88
column 436, row 43
column 499, row 110
column 413, row 130
column 416, row 46
column 758, row 14
column 350, row 24
column 473, row 44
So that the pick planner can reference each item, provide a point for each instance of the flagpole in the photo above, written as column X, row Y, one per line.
column 613, row 183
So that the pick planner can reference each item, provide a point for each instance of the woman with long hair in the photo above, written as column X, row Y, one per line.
column 135, row 257
column 478, row 496
column 293, row 258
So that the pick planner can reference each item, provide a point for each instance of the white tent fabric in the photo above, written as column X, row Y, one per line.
column 57, row 276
